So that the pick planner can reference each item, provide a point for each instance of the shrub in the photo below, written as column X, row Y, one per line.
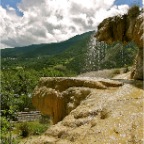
column 133, row 11
column 6, row 133
column 60, row 68
column 24, row 128
column 39, row 129
column 32, row 128
column 5, row 125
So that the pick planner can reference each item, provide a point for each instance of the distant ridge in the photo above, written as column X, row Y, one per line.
column 50, row 49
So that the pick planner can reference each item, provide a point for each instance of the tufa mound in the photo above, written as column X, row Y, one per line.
column 90, row 111
column 57, row 97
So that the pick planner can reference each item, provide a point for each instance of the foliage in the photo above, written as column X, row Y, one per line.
column 45, row 119
column 32, row 128
column 5, row 125
column 17, row 87
column 72, row 61
column 6, row 135
column 24, row 129
column 134, row 11
column 38, row 128
column 40, row 50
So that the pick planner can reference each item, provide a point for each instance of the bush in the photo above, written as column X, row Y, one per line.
column 32, row 128
column 5, row 125
column 38, row 129
column 24, row 128
column 60, row 68
column 133, row 11
column 6, row 133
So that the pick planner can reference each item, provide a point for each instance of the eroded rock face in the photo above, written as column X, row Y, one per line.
column 102, row 111
column 124, row 29
column 57, row 97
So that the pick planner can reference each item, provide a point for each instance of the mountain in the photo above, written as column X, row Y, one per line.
column 43, row 49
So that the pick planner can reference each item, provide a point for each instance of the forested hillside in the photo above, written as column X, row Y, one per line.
column 40, row 50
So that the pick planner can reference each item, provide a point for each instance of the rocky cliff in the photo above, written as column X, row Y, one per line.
column 126, row 28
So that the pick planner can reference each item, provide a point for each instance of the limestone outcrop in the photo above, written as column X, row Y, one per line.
column 57, row 97
column 124, row 29
column 93, row 111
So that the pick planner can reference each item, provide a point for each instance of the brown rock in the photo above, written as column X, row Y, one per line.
column 111, row 115
column 125, row 28
column 57, row 97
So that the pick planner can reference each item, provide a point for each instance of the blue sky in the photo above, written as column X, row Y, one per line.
column 129, row 2
column 11, row 3
column 46, row 21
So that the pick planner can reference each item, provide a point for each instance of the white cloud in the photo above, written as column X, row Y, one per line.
column 46, row 21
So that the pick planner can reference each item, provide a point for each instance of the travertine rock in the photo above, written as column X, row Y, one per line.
column 99, row 115
column 124, row 29
column 57, row 97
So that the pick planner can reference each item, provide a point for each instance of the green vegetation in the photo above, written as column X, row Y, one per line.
column 12, row 133
column 134, row 11
column 6, row 132
column 34, row 51
column 24, row 129
column 31, row 128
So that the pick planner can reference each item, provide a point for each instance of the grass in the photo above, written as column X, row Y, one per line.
column 25, row 129
column 14, row 132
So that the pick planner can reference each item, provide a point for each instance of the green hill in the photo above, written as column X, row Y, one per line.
column 43, row 49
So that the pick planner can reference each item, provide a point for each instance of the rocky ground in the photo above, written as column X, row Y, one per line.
column 98, row 111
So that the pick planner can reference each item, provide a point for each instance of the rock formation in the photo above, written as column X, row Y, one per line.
column 126, row 28
column 57, row 97
column 92, row 111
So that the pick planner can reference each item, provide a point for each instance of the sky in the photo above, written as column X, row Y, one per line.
column 26, row 22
